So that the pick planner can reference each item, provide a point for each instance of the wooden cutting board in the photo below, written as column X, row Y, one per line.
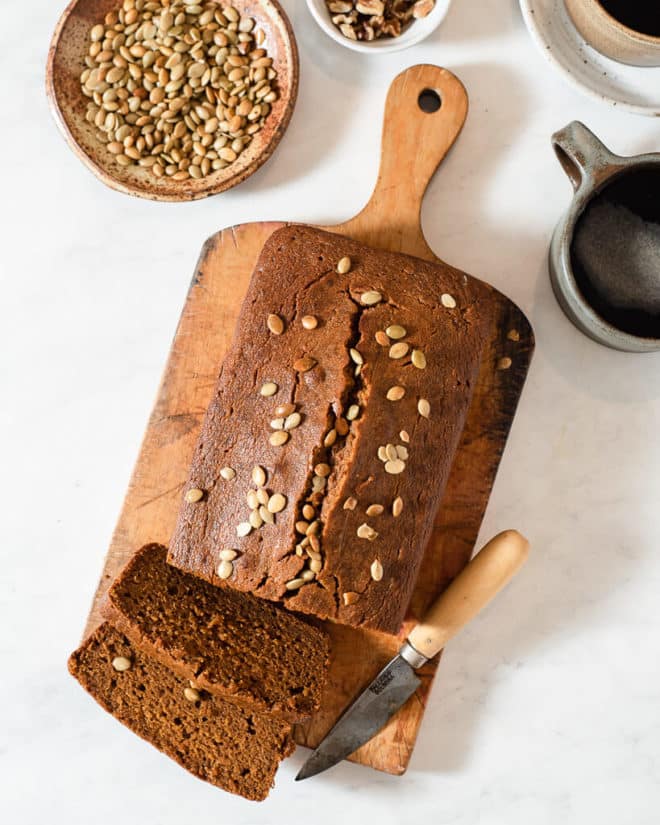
column 414, row 143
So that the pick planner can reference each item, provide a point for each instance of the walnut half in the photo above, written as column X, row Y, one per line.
column 370, row 7
column 422, row 8
column 340, row 6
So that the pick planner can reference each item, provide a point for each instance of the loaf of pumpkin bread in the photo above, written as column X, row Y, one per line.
column 327, row 445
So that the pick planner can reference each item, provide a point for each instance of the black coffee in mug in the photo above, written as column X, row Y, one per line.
column 615, row 253
column 640, row 15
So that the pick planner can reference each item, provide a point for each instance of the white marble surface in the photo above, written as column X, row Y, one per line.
column 547, row 708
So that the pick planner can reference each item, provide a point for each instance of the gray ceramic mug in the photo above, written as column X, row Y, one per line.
column 591, row 167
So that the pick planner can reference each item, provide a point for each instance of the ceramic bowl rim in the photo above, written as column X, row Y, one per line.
column 621, row 28
column 544, row 47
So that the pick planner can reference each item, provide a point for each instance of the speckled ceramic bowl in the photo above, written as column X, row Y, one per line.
column 625, row 88
column 66, row 61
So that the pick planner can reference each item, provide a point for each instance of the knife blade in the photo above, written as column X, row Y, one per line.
column 488, row 572
column 373, row 708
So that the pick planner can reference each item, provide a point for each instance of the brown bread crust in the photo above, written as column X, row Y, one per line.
column 234, row 645
column 296, row 276
column 220, row 742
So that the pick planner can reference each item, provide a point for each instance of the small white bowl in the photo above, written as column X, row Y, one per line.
column 417, row 31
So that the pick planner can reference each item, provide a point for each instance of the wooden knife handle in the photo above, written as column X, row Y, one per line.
column 482, row 579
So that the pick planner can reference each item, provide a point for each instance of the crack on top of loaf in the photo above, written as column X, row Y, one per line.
column 327, row 453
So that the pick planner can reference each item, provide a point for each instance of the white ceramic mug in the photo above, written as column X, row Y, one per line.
column 610, row 37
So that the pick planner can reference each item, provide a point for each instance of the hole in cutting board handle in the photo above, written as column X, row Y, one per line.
column 429, row 101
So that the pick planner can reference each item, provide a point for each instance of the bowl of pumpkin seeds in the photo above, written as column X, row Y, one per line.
column 173, row 100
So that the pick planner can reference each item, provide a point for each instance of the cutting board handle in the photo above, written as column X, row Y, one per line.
column 414, row 144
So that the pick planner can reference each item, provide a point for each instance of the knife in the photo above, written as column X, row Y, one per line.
column 488, row 572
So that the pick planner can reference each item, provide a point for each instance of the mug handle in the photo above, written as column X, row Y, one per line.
column 582, row 156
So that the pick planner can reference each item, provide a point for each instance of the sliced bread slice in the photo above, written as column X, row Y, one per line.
column 234, row 645
column 220, row 742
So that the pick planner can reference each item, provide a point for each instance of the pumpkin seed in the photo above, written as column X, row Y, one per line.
column 274, row 323
column 191, row 694
column 343, row 265
column 259, row 476
column 276, row 503
column 403, row 435
column 418, row 359
column 371, row 297
column 304, row 364
column 268, row 389
column 395, row 467
column 308, row 512
column 283, row 410
column 262, row 496
column 376, row 570
column 395, row 332
column 399, row 350
column 225, row 569
column 365, row 531
column 382, row 339
column 395, row 393
column 330, row 438
column 315, row 555
column 292, row 421
column 424, row 408
column 342, row 426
